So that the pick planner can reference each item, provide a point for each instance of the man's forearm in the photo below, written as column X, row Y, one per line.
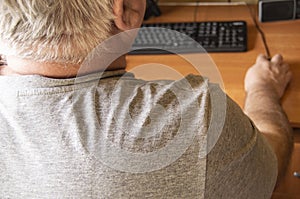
column 264, row 109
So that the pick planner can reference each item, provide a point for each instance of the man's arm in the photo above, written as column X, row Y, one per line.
column 265, row 84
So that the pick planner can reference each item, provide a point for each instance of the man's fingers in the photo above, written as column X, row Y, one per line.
column 261, row 58
column 277, row 59
column 285, row 67
column 289, row 76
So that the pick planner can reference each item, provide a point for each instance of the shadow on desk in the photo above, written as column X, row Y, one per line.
column 252, row 36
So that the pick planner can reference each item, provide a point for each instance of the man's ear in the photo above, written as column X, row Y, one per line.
column 129, row 14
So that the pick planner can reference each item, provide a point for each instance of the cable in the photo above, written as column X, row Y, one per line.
column 262, row 34
column 196, row 10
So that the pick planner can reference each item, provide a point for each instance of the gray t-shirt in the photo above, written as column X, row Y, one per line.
column 120, row 137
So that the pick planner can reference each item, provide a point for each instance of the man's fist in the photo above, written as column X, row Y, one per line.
column 270, row 76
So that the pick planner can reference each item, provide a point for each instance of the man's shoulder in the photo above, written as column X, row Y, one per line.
column 241, row 163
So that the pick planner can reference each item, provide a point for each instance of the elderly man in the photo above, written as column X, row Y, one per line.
column 65, row 135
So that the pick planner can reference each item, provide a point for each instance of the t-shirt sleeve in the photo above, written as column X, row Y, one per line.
column 241, row 164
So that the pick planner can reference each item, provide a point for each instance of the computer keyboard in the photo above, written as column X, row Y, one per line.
column 213, row 36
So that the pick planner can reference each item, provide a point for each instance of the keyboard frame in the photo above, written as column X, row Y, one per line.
column 136, row 50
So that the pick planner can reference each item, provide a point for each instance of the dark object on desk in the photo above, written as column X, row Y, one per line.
column 159, row 38
column 298, row 9
column 297, row 174
column 277, row 10
column 152, row 10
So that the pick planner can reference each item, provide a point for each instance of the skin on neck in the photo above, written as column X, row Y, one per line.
column 19, row 66
column 128, row 15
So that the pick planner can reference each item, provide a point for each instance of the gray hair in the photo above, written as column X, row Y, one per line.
column 62, row 31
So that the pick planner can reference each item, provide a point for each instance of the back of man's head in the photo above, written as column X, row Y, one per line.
column 54, row 30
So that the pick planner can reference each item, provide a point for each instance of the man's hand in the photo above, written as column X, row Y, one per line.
column 269, row 76
column 265, row 84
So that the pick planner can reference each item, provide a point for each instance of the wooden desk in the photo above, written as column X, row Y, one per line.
column 282, row 37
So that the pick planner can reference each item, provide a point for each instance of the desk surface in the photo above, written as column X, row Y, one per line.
column 282, row 37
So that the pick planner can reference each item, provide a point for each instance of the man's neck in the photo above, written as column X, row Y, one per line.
column 18, row 66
